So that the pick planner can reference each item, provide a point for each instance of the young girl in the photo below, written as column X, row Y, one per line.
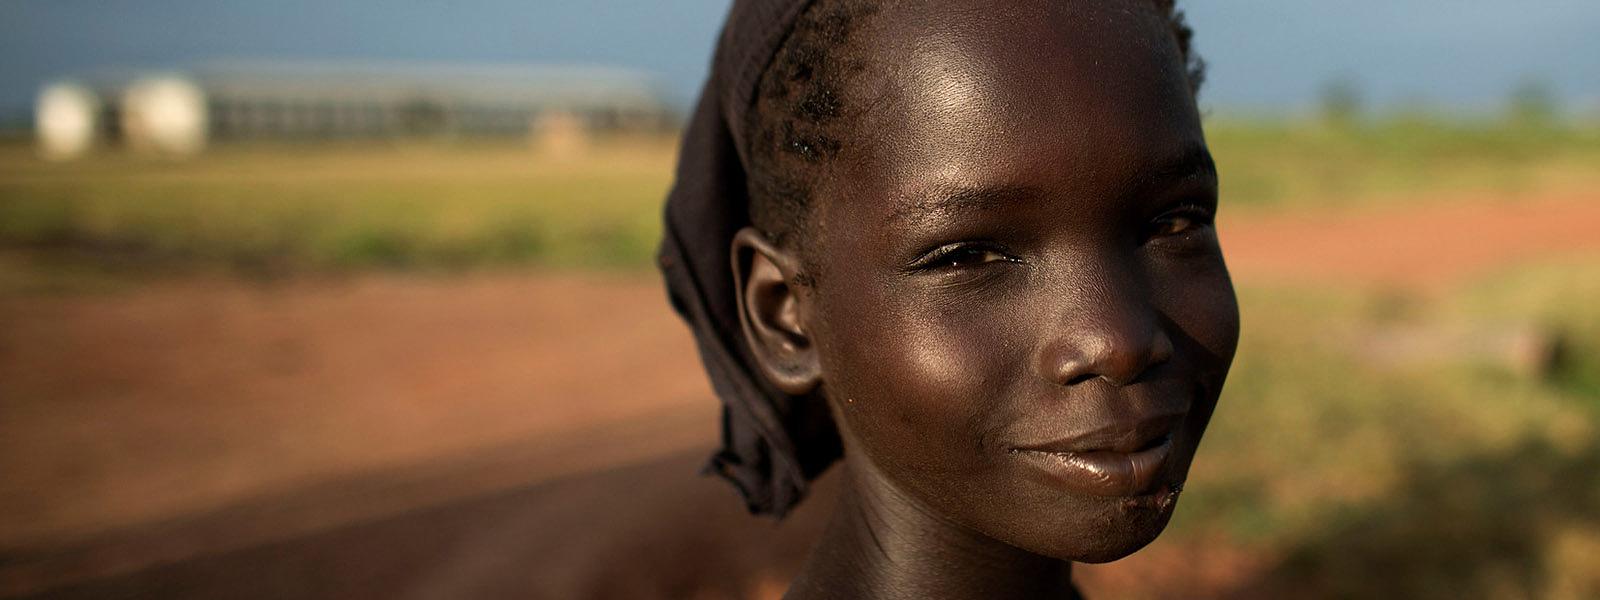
column 968, row 246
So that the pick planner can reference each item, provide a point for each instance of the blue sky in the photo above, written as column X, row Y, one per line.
column 1264, row 54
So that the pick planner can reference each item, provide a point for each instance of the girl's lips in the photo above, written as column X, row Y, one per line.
column 1104, row 472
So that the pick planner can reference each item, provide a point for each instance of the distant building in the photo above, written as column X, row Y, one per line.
column 182, row 112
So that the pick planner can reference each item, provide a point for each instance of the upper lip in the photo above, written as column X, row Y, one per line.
column 1120, row 436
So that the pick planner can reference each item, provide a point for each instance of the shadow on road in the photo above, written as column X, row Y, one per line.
column 653, row 530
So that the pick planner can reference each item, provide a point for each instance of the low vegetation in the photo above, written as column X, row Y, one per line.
column 1441, row 480
column 1319, row 165
column 449, row 205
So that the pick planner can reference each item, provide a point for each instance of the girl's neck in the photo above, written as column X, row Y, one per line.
column 881, row 544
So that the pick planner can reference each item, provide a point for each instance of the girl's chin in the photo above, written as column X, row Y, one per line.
column 1112, row 550
column 1104, row 537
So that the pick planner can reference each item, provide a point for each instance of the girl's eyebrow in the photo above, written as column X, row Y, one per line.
column 945, row 200
column 1194, row 161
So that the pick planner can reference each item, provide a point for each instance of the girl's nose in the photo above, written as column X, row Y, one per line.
column 1112, row 337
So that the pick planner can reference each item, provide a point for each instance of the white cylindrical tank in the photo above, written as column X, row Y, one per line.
column 165, row 114
column 66, row 120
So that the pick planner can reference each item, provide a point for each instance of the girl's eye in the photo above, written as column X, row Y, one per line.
column 1180, row 221
column 1173, row 225
column 962, row 256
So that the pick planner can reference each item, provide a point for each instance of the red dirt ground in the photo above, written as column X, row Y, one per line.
column 1410, row 246
column 188, row 437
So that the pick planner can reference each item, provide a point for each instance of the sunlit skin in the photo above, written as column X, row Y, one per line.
column 1014, row 253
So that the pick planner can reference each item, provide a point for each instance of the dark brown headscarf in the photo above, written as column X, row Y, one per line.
column 773, row 444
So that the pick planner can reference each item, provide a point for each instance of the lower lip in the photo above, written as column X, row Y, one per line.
column 1104, row 473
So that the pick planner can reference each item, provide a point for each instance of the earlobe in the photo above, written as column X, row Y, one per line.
column 770, row 313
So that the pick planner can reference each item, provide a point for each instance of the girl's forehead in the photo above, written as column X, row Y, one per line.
column 1040, row 95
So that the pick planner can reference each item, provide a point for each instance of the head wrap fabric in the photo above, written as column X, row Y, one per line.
column 773, row 444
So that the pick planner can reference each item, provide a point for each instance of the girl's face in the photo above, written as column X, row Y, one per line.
column 1021, row 313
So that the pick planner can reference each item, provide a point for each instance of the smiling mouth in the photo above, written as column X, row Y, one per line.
column 1109, row 473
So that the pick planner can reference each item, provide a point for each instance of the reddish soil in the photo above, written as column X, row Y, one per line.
column 1410, row 247
column 187, row 437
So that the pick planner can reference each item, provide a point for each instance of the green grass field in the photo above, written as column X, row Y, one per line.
column 451, row 206
column 1276, row 165
column 343, row 207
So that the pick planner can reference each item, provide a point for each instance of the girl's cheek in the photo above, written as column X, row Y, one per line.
column 1198, row 296
column 1208, row 312
column 931, row 372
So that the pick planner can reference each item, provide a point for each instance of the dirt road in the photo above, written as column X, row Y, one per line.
column 223, row 419
column 1410, row 247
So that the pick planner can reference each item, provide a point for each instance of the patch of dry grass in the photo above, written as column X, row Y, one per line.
column 1427, row 482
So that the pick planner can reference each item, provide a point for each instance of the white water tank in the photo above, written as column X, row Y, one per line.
column 165, row 114
column 66, row 120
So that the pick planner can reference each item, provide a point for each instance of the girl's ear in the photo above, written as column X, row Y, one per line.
column 770, row 313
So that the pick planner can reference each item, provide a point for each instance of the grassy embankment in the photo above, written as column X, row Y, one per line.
column 1439, row 479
